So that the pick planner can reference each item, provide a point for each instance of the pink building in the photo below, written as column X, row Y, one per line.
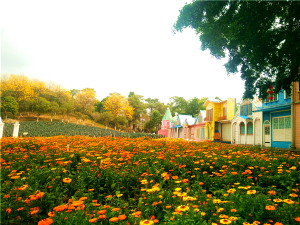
column 166, row 120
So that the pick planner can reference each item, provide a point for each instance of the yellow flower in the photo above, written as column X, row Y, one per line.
column 250, row 192
column 225, row 221
column 182, row 208
column 146, row 222
column 288, row 201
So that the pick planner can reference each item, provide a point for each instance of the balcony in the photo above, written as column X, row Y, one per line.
column 208, row 119
column 222, row 118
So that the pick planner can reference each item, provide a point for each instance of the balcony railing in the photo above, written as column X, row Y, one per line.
column 222, row 117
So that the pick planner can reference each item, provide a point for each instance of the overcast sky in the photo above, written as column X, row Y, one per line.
column 111, row 46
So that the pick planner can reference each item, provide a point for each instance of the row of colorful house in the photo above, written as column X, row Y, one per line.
column 274, row 122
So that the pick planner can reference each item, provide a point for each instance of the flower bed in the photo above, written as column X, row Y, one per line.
column 110, row 180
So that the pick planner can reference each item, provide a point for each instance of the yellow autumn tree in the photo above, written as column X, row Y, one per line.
column 18, row 86
column 118, row 105
column 85, row 100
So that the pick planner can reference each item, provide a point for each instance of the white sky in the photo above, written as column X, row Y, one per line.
column 111, row 46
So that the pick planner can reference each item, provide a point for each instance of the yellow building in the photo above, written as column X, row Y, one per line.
column 218, row 119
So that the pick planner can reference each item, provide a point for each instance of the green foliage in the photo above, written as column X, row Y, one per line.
column 178, row 104
column 9, row 104
column 194, row 105
column 40, row 105
column 261, row 37
column 48, row 129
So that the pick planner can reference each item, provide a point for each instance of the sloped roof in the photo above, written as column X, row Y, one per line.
column 168, row 115
column 203, row 113
column 190, row 120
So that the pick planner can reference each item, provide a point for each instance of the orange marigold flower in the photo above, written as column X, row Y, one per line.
column 83, row 198
column 67, row 180
column 115, row 209
column 271, row 192
column 51, row 214
column 34, row 210
column 101, row 212
column 22, row 188
column 113, row 219
column 270, row 207
column 93, row 220
column 297, row 219
column 46, row 221
column 278, row 223
column 122, row 217
column 77, row 203
column 102, row 217
column 106, row 206
column 19, row 209
column 8, row 210
column 6, row 196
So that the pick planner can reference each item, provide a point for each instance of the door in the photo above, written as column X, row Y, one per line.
column 257, row 132
column 202, row 133
column 208, row 132
column 226, row 132
column 267, row 135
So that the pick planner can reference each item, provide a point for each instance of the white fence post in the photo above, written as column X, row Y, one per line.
column 16, row 130
column 1, row 128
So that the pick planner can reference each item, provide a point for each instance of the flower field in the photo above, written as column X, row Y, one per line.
column 118, row 180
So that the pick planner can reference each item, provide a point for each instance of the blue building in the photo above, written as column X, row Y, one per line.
column 277, row 123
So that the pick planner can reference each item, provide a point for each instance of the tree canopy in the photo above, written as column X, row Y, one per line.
column 260, row 38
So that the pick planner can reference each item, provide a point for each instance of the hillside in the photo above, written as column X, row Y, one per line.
column 57, row 118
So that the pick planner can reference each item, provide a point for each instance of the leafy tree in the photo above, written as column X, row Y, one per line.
column 106, row 118
column 155, row 119
column 9, row 104
column 217, row 98
column 19, row 87
column 99, row 106
column 54, row 108
column 121, row 121
column 151, row 103
column 137, row 102
column 85, row 100
column 66, row 108
column 262, row 39
column 178, row 104
column 96, row 116
column 40, row 105
column 118, row 105
column 74, row 92
column 194, row 105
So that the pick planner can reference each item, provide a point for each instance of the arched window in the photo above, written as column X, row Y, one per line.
column 249, row 128
column 242, row 128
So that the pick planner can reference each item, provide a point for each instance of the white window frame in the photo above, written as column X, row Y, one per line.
column 281, row 134
column 285, row 95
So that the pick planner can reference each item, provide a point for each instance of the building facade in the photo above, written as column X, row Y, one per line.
column 218, row 119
